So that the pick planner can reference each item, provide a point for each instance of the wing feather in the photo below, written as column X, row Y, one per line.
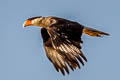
column 67, row 48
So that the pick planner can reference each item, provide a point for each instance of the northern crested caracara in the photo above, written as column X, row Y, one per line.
column 62, row 39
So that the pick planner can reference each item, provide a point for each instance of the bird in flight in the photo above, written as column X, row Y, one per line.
column 62, row 39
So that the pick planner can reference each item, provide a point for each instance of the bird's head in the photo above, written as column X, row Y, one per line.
column 34, row 21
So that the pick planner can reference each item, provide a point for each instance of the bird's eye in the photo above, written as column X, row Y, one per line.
column 52, row 21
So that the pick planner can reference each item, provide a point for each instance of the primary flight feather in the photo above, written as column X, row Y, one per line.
column 62, row 39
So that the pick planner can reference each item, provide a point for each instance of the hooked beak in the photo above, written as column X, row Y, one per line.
column 27, row 23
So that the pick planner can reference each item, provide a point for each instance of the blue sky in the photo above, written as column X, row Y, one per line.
column 22, row 56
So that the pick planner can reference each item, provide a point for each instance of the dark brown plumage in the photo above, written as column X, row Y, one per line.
column 62, row 40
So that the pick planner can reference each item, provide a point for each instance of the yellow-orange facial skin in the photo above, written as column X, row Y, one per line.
column 27, row 23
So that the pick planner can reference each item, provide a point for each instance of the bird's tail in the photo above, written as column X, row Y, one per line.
column 94, row 32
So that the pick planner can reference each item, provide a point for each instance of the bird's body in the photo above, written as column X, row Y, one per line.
column 62, row 38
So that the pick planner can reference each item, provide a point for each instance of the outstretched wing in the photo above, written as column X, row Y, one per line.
column 62, row 46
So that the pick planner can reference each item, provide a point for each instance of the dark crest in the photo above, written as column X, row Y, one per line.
column 34, row 17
